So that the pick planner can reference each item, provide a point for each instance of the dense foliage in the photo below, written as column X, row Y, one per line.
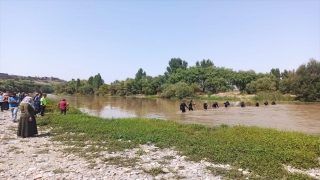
column 181, row 81
column 25, row 86
column 90, row 86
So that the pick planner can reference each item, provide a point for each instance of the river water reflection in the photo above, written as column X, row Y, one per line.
column 294, row 116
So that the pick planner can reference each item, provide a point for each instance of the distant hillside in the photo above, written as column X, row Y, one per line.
column 36, row 78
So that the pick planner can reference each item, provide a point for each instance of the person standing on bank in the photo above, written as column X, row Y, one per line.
column 43, row 103
column 63, row 106
column 13, row 106
column 5, row 103
column 27, row 124
column 1, row 100
column 36, row 103
column 183, row 106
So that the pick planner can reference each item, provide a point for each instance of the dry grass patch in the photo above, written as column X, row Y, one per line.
column 121, row 161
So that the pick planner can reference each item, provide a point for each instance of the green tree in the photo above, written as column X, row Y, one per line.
column 104, row 89
column 90, row 80
column 140, row 74
column 78, row 84
column 261, row 84
column 97, row 81
column 242, row 78
column 307, row 81
column 205, row 63
column 176, row 63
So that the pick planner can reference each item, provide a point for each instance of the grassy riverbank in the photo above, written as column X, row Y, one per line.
column 261, row 151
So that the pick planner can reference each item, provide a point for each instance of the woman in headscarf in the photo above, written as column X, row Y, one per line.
column 27, row 124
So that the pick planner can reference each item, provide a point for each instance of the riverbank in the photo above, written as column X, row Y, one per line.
column 41, row 158
column 78, row 146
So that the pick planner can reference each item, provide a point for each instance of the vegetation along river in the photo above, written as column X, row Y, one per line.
column 291, row 116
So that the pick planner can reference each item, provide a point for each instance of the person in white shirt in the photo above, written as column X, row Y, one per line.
column 1, row 100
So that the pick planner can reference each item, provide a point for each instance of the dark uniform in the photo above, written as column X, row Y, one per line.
column 215, row 105
column 183, row 107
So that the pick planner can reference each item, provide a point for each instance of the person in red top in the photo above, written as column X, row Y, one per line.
column 63, row 106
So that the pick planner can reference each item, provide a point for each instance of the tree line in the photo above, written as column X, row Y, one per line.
column 84, row 87
column 180, row 80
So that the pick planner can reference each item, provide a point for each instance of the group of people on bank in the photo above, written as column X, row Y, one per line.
column 30, row 108
column 184, row 106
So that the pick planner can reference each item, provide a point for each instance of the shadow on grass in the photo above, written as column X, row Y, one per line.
column 45, row 135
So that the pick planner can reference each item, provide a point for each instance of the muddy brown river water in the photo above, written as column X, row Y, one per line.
column 293, row 116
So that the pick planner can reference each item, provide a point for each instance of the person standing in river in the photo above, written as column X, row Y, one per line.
column 183, row 106
column 27, row 124
column 215, row 105
column 190, row 105
column 226, row 104
column 205, row 105
column 242, row 104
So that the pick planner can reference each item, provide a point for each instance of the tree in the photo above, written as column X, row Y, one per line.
column 78, row 84
column 205, row 63
column 140, row 74
column 97, row 81
column 90, row 80
column 276, row 72
column 261, row 84
column 242, row 78
column 277, row 76
column 176, row 63
column 307, row 81
column 104, row 89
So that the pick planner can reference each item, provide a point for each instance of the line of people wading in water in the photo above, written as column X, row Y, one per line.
column 184, row 106
column 30, row 108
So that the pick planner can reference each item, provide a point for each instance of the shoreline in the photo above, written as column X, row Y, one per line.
column 39, row 158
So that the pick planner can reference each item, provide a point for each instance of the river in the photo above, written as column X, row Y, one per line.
column 292, row 116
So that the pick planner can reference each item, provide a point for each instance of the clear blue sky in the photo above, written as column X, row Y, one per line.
column 79, row 38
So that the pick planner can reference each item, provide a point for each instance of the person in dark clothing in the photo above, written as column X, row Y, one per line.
column 27, row 125
column 22, row 95
column 226, row 104
column 273, row 103
column 205, row 105
column 190, row 106
column 266, row 103
column 242, row 104
column 215, row 105
column 183, row 107
column 257, row 104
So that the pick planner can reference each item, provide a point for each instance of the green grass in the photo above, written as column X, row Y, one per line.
column 263, row 151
